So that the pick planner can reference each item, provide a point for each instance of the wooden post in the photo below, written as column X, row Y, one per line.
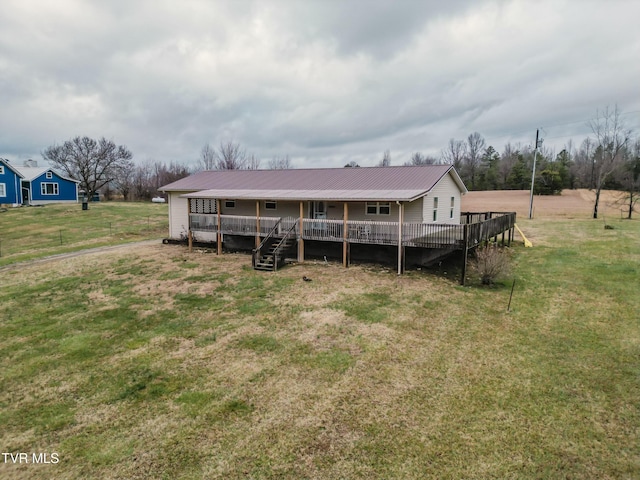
column 219, row 234
column 400, row 208
column 301, row 241
column 465, row 253
column 257, row 223
column 345, row 236
column 189, row 234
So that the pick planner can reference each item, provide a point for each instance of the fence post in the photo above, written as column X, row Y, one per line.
column 60, row 237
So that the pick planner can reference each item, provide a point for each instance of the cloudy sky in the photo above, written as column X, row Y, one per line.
column 325, row 82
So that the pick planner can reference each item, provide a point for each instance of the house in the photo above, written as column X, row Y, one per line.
column 377, row 213
column 42, row 185
column 10, row 182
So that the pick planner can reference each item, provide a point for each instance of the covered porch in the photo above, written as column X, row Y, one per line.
column 475, row 229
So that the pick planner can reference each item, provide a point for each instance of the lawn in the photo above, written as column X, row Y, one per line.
column 32, row 232
column 158, row 363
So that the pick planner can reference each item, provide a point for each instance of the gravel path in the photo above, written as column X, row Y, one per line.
column 88, row 251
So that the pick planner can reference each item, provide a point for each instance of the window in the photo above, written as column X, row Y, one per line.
column 453, row 202
column 49, row 175
column 435, row 209
column 270, row 205
column 1, row 169
column 229, row 204
column 47, row 188
column 378, row 208
column 3, row 190
column 202, row 205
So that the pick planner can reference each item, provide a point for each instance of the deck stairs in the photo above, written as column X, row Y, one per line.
column 275, row 255
column 272, row 251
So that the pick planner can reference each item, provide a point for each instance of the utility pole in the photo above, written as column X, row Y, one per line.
column 533, row 173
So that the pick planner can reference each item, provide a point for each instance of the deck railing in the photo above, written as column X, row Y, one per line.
column 481, row 227
column 428, row 235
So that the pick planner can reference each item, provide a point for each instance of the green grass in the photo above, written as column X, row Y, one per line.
column 164, row 364
column 32, row 232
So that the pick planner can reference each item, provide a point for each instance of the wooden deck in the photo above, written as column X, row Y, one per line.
column 476, row 228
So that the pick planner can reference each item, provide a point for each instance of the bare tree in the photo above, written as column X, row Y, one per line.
column 583, row 164
column 207, row 160
column 455, row 153
column 149, row 176
column 252, row 162
column 124, row 179
column 386, row 159
column 93, row 162
column 629, row 178
column 418, row 159
column 280, row 163
column 475, row 148
column 230, row 156
column 142, row 183
column 611, row 137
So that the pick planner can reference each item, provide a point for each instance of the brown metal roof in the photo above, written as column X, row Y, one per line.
column 327, row 195
column 394, row 183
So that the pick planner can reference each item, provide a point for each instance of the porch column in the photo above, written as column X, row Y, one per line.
column 400, row 219
column 189, row 234
column 301, row 240
column 345, row 236
column 257, row 223
column 219, row 235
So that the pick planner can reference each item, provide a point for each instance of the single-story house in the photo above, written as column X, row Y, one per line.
column 398, row 207
column 42, row 185
column 10, row 184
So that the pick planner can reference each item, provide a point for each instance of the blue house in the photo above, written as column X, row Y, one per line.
column 41, row 185
column 10, row 184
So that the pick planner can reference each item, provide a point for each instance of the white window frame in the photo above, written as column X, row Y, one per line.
column 229, row 204
column 453, row 203
column 3, row 189
column 273, row 203
column 435, row 209
column 1, row 169
column 377, row 208
column 55, row 188
column 49, row 175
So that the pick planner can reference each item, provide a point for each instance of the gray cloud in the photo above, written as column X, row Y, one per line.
column 320, row 81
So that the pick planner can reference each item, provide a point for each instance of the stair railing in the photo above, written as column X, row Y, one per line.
column 256, row 253
column 291, row 233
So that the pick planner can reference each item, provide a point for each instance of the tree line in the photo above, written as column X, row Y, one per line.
column 610, row 159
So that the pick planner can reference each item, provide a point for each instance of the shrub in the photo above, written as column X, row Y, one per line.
column 491, row 262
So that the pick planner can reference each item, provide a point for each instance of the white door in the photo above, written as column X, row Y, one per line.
column 319, row 212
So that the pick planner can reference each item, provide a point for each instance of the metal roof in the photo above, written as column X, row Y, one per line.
column 31, row 173
column 327, row 195
column 366, row 183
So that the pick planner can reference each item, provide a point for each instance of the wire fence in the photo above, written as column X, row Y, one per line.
column 30, row 240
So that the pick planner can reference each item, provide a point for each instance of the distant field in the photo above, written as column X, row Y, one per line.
column 33, row 232
column 157, row 363
column 572, row 203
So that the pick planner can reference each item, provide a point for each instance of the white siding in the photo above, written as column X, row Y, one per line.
column 444, row 190
column 413, row 211
column 178, row 215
